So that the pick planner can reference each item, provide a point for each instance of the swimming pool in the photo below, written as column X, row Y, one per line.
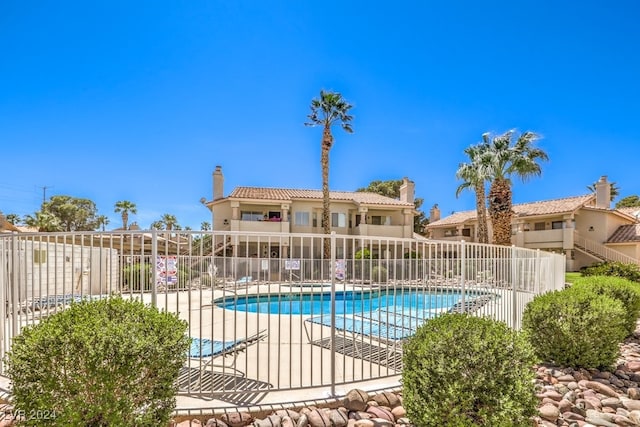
column 346, row 302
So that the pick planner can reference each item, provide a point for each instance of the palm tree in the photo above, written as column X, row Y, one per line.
column 13, row 218
column 44, row 221
column 326, row 110
column 474, row 176
column 157, row 225
column 102, row 221
column 170, row 222
column 505, row 158
column 125, row 207
column 205, row 226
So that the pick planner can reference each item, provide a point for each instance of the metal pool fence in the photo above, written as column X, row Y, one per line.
column 270, row 312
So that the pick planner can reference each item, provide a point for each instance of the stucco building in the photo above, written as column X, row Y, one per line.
column 585, row 228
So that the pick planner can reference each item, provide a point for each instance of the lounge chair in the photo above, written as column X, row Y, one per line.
column 204, row 348
column 364, row 326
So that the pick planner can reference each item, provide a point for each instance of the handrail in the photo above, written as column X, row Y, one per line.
column 603, row 251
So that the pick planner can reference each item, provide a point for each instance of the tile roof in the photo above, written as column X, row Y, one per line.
column 298, row 194
column 544, row 207
column 635, row 211
column 626, row 233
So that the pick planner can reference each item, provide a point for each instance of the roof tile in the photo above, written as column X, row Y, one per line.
column 544, row 207
column 626, row 233
column 301, row 194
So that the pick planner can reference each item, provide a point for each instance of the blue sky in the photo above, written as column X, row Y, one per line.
column 141, row 100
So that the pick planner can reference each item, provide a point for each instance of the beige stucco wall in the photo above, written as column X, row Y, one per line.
column 604, row 224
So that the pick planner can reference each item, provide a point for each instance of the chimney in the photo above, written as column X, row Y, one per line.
column 603, row 193
column 407, row 191
column 434, row 213
column 218, row 183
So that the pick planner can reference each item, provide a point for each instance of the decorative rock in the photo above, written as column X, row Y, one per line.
column 365, row 423
column 288, row 421
column 634, row 393
column 356, row 400
column 303, row 421
column 381, row 422
column 611, row 402
column 630, row 404
column 237, row 419
column 601, row 388
column 379, row 412
column 318, row 418
column 214, row 422
column 339, row 417
column 549, row 412
column 288, row 413
column 387, row 399
column 271, row 421
column 399, row 412
column 359, row 415
column 404, row 421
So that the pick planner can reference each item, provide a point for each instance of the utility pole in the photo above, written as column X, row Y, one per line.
column 44, row 193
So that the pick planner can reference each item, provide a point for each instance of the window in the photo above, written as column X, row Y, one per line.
column 538, row 226
column 251, row 216
column 556, row 225
column 466, row 232
column 338, row 219
column 301, row 218
column 274, row 216
column 315, row 219
column 380, row 220
column 39, row 256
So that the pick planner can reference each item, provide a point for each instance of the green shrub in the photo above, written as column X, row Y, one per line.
column 379, row 274
column 625, row 291
column 575, row 327
column 618, row 269
column 111, row 362
column 137, row 277
column 363, row 253
column 463, row 371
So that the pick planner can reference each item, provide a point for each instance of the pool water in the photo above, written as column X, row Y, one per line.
column 346, row 302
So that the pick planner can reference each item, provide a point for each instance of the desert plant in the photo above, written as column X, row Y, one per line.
column 463, row 371
column 363, row 253
column 111, row 362
column 618, row 269
column 575, row 327
column 623, row 290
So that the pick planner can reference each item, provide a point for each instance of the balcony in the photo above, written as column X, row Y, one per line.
column 398, row 231
column 268, row 226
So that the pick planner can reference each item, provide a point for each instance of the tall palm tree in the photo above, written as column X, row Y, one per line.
column 170, row 222
column 205, row 226
column 125, row 207
column 474, row 176
column 326, row 110
column 505, row 158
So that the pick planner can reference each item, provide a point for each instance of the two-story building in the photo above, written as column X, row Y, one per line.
column 585, row 228
column 280, row 211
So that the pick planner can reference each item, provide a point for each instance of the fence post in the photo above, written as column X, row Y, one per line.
column 514, row 277
column 154, row 269
column 463, row 256
column 333, row 312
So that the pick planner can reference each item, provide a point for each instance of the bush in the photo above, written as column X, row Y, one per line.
column 461, row 370
column 575, row 327
column 110, row 362
column 137, row 277
column 379, row 274
column 363, row 253
column 618, row 269
column 623, row 290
